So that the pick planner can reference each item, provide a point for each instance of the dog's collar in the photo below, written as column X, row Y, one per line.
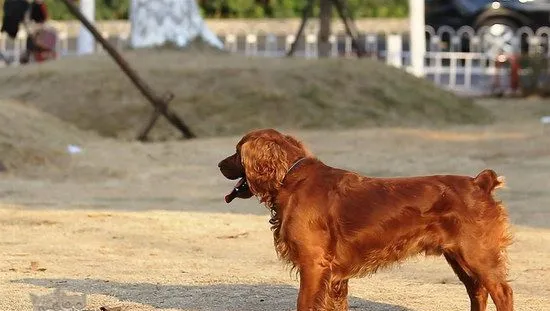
column 272, row 205
column 293, row 166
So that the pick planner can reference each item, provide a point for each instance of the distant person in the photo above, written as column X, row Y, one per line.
column 41, row 41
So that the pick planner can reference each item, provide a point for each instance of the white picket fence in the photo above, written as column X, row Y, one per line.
column 454, row 58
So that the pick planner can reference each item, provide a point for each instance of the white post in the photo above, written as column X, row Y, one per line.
column 86, row 41
column 417, row 36
column 394, row 51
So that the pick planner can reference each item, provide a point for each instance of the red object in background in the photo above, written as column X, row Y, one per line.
column 512, row 61
column 44, row 56
column 514, row 72
column 38, row 11
column 45, row 39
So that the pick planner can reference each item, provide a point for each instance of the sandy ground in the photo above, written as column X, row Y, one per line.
column 144, row 227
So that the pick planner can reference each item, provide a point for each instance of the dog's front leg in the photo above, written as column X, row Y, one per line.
column 313, row 288
column 338, row 293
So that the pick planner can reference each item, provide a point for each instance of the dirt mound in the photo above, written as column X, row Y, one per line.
column 32, row 140
column 222, row 94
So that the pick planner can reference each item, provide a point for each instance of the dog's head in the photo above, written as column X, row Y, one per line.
column 261, row 161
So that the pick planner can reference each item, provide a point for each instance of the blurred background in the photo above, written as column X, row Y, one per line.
column 478, row 47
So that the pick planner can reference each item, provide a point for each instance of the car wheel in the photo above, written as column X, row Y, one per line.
column 498, row 37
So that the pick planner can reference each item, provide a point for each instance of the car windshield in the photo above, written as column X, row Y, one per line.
column 471, row 5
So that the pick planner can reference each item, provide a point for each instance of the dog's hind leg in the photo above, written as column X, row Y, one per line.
column 476, row 291
column 491, row 272
column 486, row 259
column 501, row 293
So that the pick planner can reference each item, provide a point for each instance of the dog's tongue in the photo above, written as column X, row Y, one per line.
column 233, row 194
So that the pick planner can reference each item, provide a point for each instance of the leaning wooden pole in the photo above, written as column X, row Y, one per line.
column 159, row 103
column 349, row 25
column 307, row 11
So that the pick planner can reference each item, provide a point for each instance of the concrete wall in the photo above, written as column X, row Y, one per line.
column 235, row 26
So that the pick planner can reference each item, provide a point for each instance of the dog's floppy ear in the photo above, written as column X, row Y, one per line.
column 298, row 144
column 265, row 162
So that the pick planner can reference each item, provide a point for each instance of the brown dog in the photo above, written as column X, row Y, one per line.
column 332, row 225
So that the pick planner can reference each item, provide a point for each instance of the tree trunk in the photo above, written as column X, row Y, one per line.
column 325, row 18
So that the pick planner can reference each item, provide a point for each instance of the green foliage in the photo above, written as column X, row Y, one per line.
column 57, row 10
column 284, row 8
column 244, row 8
column 105, row 9
column 378, row 8
column 118, row 9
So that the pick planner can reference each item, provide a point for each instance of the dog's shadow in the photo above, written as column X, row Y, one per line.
column 238, row 297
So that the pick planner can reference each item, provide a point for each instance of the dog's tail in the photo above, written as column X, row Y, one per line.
column 488, row 181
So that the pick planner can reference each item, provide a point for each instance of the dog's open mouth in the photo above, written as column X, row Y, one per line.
column 240, row 190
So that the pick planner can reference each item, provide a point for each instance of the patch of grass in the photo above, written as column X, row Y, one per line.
column 221, row 94
column 31, row 138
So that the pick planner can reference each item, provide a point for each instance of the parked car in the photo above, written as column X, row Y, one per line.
column 502, row 18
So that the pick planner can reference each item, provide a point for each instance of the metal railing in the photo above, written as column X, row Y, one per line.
column 454, row 58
